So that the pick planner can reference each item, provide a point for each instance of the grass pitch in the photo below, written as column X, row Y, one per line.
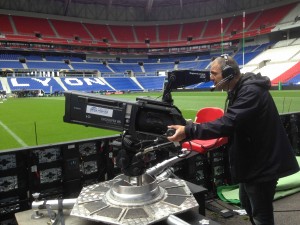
column 37, row 121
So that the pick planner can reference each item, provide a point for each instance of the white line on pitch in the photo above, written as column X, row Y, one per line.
column 16, row 137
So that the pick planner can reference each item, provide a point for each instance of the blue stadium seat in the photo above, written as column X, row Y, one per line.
column 123, row 84
column 11, row 64
column 154, row 83
column 87, row 84
column 47, row 65
column 91, row 66
column 295, row 80
column 47, row 84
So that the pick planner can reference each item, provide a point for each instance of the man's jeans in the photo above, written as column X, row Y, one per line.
column 257, row 200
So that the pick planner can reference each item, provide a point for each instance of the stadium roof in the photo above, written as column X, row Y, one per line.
column 138, row 10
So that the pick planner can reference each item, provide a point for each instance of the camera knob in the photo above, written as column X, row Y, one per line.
column 36, row 196
column 170, row 132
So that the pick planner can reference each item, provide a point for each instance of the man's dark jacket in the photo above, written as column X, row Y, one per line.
column 259, row 149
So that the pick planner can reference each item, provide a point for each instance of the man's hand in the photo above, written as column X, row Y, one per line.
column 179, row 133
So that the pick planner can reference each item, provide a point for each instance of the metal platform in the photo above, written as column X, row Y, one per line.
column 142, row 200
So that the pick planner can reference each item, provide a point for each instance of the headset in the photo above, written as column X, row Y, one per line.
column 227, row 71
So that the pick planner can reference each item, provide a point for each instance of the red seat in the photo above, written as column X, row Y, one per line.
column 202, row 146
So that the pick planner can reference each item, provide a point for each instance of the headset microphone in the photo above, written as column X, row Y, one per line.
column 221, row 82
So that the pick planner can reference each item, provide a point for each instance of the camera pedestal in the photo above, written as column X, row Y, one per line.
column 122, row 201
column 175, row 196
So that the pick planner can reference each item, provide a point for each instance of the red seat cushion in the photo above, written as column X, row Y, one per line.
column 206, row 114
column 202, row 146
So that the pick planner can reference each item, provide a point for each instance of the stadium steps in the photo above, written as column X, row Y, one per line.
column 112, row 34
column 70, row 66
column 13, row 24
column 138, row 83
column 203, row 30
column 53, row 28
column 180, row 32
column 5, row 85
column 24, row 65
column 87, row 30
column 134, row 34
column 108, row 67
column 108, row 84
column 253, row 21
column 291, row 58
column 157, row 33
column 228, row 26
column 58, row 80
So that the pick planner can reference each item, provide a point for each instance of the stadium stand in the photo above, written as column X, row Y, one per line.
column 275, row 55
column 69, row 29
column 193, row 30
column 7, row 64
column 295, row 80
column 119, row 68
column 62, row 58
column 288, row 75
column 123, row 84
column 33, row 26
column 10, row 56
column 213, row 28
column 202, row 85
column 34, row 57
column 269, row 18
column 137, row 60
column 274, row 70
column 260, row 57
column 289, row 20
column 46, row 84
column 145, row 33
column 47, row 65
column 5, row 25
column 117, row 36
column 187, row 65
column 152, row 83
column 250, row 52
column 99, row 32
column 123, row 33
column 194, row 65
column 154, row 67
column 1, row 86
column 255, row 59
column 168, row 33
column 86, row 84
column 91, row 66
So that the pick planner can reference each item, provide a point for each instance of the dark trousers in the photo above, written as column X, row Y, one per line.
column 257, row 200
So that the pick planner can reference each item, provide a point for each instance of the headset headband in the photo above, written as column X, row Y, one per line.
column 225, row 56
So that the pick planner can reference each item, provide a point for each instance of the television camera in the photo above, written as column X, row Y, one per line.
column 139, row 195
column 143, row 122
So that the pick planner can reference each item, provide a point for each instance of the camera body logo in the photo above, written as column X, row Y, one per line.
column 99, row 111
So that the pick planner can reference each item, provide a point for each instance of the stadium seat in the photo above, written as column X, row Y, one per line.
column 202, row 146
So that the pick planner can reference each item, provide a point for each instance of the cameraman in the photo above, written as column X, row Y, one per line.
column 259, row 150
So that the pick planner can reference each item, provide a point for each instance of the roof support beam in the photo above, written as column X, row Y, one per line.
column 149, row 7
column 67, row 3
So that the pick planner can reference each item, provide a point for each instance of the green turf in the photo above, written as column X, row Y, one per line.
column 19, row 118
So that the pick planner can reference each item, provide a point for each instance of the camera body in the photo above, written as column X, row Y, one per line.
column 143, row 116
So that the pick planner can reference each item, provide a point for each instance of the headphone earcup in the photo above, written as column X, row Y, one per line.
column 227, row 71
